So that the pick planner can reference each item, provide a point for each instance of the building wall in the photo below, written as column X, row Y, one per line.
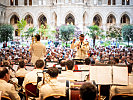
column 62, row 8
column 2, row 13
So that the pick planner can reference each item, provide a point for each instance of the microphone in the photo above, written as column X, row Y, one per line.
column 81, row 44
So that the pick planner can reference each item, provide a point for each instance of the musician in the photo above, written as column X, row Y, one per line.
column 82, row 47
column 21, row 72
column 54, row 87
column 37, row 49
column 31, row 77
column 88, row 92
column 7, row 89
column 69, row 74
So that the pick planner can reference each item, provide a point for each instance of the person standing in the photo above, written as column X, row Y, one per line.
column 82, row 47
column 37, row 49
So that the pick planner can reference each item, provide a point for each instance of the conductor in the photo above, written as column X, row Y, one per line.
column 82, row 47
column 37, row 49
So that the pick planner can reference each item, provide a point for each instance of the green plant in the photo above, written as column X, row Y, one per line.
column 29, row 32
column 95, row 33
column 66, row 32
column 114, row 33
column 21, row 25
column 6, row 32
column 42, row 30
column 127, row 33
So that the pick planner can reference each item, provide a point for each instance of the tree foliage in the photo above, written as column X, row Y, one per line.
column 29, row 32
column 66, row 32
column 127, row 33
column 114, row 32
column 42, row 30
column 94, row 32
column 6, row 32
column 21, row 25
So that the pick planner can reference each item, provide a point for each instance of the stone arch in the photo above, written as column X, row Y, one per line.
column 70, row 19
column 97, row 20
column 85, row 16
column 14, row 18
column 125, row 19
column 111, row 19
column 42, row 20
column 29, row 19
column 13, row 13
column 54, row 18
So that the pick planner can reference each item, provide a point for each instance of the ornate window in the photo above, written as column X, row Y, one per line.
column 11, row 2
column 42, row 20
column 111, row 19
column 14, row 20
column 111, row 2
column 97, row 20
column 125, row 19
column 70, row 19
column 25, row 2
column 16, row 2
column 29, row 19
column 125, row 2
column 30, row 2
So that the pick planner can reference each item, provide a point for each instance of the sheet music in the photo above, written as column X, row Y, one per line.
column 15, row 67
column 120, row 75
column 78, row 75
column 104, row 75
column 101, row 74
column 93, row 73
column 49, row 64
column 83, row 67
column 84, row 75
column 29, row 68
column 130, row 80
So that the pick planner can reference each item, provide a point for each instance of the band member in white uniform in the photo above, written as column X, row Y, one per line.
column 82, row 47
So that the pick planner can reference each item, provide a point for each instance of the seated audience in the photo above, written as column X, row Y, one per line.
column 53, row 87
column 7, row 89
column 88, row 92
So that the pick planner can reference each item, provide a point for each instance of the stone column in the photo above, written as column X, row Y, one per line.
column 21, row 2
column 131, row 2
column 27, row 2
column 118, row 2
column 104, row 2
column 13, row 2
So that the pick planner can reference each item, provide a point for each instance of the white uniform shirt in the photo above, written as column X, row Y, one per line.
column 38, row 51
column 53, row 88
column 21, row 72
column 8, row 90
column 31, row 77
column 81, row 51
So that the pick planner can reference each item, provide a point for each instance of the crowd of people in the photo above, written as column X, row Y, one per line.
column 37, row 54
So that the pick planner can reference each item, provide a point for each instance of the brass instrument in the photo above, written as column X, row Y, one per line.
column 15, row 84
